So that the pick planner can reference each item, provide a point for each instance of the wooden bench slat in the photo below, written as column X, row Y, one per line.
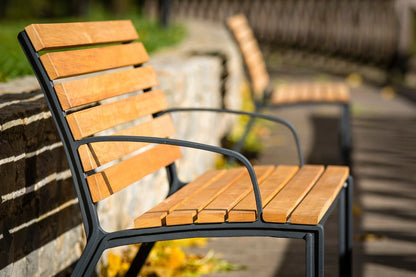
column 60, row 35
column 259, row 77
column 152, row 217
column 282, row 205
column 219, row 207
column 310, row 92
column 237, row 22
column 243, row 34
column 115, row 178
column 319, row 199
column 186, row 212
column 88, row 90
column 76, row 62
column 245, row 210
column 90, row 121
column 97, row 154
column 251, row 52
column 250, row 46
column 260, row 84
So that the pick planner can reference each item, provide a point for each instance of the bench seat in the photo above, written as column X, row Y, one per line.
column 117, row 128
column 310, row 92
column 289, row 194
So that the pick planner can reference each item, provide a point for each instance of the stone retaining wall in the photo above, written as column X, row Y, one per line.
column 41, row 231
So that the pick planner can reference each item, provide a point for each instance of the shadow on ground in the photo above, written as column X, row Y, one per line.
column 384, row 163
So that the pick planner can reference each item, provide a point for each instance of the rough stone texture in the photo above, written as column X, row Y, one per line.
column 41, row 232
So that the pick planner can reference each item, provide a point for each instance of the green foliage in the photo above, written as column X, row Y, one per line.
column 12, row 60
column 14, row 64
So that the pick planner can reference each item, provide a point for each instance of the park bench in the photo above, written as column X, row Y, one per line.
column 287, row 94
column 289, row 201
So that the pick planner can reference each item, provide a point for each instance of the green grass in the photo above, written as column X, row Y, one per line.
column 13, row 62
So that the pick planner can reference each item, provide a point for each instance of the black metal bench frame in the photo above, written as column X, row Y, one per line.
column 98, row 239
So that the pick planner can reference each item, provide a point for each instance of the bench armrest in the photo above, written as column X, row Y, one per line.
column 256, row 115
column 188, row 144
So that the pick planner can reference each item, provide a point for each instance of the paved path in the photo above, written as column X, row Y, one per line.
column 384, row 164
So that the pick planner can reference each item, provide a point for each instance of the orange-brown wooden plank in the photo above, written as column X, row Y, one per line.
column 311, row 92
column 259, row 82
column 249, row 46
column 97, row 154
column 245, row 210
column 186, row 212
column 343, row 94
column 282, row 205
column 217, row 210
column 243, row 34
column 237, row 23
column 250, row 50
column 236, row 20
column 121, row 175
column 286, row 93
column 88, row 90
column 77, row 62
column 150, row 219
column 154, row 217
column 59, row 35
column 319, row 199
column 96, row 119
column 304, row 92
column 254, row 58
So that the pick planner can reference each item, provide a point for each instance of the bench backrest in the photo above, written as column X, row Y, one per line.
column 250, row 50
column 110, row 94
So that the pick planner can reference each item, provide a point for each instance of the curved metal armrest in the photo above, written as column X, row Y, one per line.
column 258, row 115
column 189, row 144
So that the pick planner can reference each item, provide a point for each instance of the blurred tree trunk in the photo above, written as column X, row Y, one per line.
column 119, row 7
column 3, row 8
column 80, row 7
column 140, row 6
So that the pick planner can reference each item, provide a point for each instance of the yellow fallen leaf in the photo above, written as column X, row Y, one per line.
column 388, row 93
column 354, row 80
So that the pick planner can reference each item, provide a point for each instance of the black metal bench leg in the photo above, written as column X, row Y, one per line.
column 310, row 255
column 345, row 134
column 315, row 254
column 342, row 234
column 345, row 231
column 140, row 259
column 89, row 258
column 349, row 227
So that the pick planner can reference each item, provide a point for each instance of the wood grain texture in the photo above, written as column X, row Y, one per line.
column 237, row 22
column 121, row 175
column 150, row 219
column 172, row 202
column 282, row 205
column 186, row 212
column 250, row 50
column 319, row 199
column 61, row 35
column 76, row 93
column 245, row 210
column 77, row 62
column 97, row 154
column 181, row 217
column 90, row 121
column 232, row 195
column 311, row 92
